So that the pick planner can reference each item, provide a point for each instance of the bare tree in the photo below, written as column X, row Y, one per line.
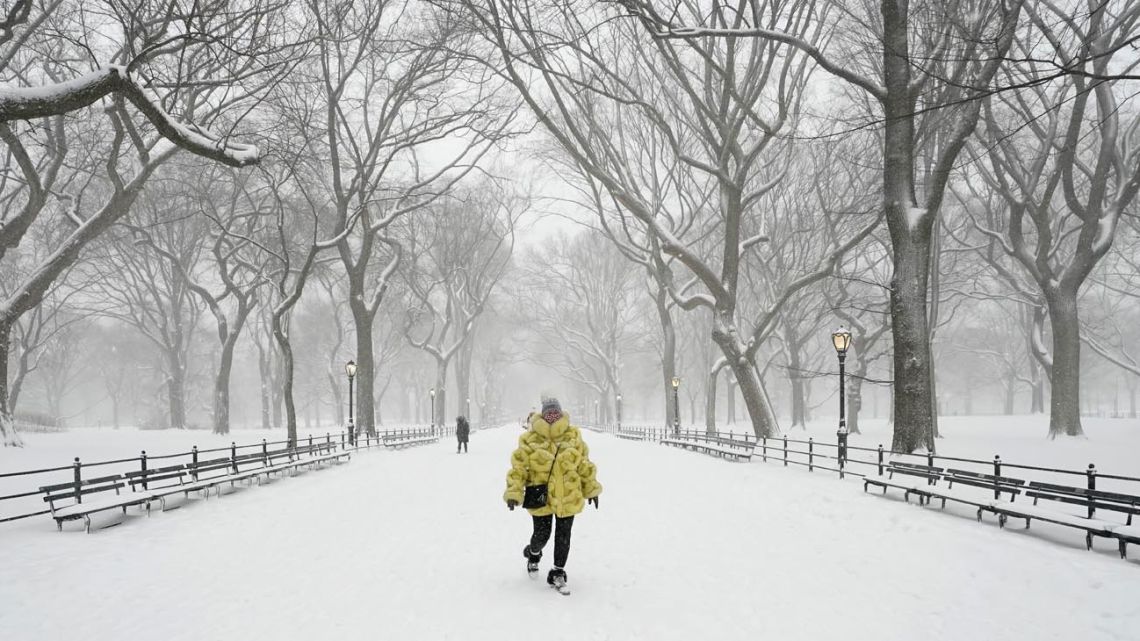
column 459, row 248
column 155, row 57
column 1063, row 159
column 919, row 68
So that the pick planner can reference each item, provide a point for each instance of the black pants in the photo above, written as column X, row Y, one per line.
column 462, row 446
column 561, row 536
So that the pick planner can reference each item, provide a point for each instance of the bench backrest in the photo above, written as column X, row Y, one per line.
column 159, row 475
column 988, row 481
column 1093, row 499
column 75, row 492
column 910, row 469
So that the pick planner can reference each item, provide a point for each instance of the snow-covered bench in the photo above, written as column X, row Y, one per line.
column 73, row 501
column 407, row 439
column 920, row 480
column 1090, row 499
column 633, row 436
column 970, row 495
column 720, row 447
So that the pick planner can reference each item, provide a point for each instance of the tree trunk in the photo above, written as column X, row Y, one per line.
column 710, row 400
column 1010, row 394
column 913, row 397
column 854, row 400
column 439, row 411
column 176, row 389
column 365, row 368
column 266, row 382
column 910, row 230
column 1132, row 401
column 730, row 398
column 7, row 426
column 1037, row 388
column 222, row 386
column 463, row 359
column 1064, row 401
column 795, row 377
column 756, row 400
column 286, row 381
column 668, row 353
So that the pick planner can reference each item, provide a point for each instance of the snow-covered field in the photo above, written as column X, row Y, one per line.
column 417, row 544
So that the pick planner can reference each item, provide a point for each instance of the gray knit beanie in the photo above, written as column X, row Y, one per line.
column 550, row 403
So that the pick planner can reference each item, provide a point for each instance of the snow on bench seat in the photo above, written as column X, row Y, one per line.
column 99, row 505
column 1027, row 512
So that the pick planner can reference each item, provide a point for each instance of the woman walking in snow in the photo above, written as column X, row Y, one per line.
column 551, row 453
column 462, row 431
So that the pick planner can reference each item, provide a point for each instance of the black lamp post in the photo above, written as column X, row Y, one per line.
column 431, row 394
column 676, row 406
column 841, row 340
column 468, row 412
column 350, row 369
column 619, row 412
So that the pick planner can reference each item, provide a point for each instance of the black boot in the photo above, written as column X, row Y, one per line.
column 531, row 561
column 557, row 580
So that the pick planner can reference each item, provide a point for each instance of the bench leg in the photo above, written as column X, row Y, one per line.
column 87, row 523
column 59, row 525
column 979, row 511
column 1001, row 520
column 1123, row 549
column 1088, row 540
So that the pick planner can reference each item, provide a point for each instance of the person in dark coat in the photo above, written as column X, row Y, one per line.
column 462, row 432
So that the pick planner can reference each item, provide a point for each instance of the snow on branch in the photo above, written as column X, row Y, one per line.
column 25, row 103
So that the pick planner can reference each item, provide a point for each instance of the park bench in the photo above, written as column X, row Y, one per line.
column 997, row 484
column 727, row 448
column 81, row 500
column 1091, row 500
column 920, row 481
column 407, row 439
column 633, row 436
column 158, row 483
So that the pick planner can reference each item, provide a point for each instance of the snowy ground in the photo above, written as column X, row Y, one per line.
column 417, row 544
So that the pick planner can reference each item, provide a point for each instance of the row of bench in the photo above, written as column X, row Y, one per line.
column 407, row 439
column 725, row 447
column 82, row 498
column 922, row 481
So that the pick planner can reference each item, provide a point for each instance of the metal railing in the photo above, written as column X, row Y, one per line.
column 27, row 501
column 844, row 459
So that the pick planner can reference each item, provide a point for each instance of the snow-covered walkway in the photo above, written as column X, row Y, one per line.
column 417, row 544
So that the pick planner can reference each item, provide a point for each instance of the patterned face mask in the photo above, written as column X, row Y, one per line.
column 551, row 415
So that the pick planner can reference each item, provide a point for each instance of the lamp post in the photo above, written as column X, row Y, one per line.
column 597, row 412
column 619, row 411
column 431, row 394
column 468, row 412
column 676, row 406
column 841, row 340
column 350, row 369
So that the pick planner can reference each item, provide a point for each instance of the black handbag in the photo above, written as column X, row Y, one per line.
column 537, row 496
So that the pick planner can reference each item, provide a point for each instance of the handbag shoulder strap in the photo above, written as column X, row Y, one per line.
column 556, row 451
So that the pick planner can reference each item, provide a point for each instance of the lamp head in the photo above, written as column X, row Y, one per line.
column 841, row 340
column 676, row 382
column 431, row 392
column 350, row 368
